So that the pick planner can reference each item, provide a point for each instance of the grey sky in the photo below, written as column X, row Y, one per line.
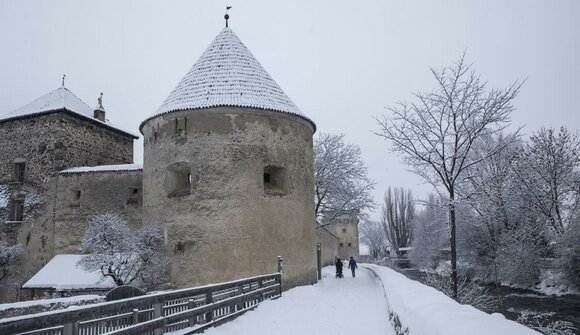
column 341, row 62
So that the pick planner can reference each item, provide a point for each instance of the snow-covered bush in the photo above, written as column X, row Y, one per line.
column 8, row 252
column 544, row 323
column 127, row 256
column 568, row 255
column 4, row 199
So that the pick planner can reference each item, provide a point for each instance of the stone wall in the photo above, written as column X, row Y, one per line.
column 329, row 245
column 89, row 143
column 81, row 196
column 233, row 189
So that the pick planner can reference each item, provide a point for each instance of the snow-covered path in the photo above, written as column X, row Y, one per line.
column 348, row 306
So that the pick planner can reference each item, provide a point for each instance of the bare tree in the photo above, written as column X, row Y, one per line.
column 124, row 255
column 341, row 183
column 429, row 234
column 373, row 235
column 548, row 170
column 493, row 215
column 8, row 252
column 436, row 134
column 397, row 216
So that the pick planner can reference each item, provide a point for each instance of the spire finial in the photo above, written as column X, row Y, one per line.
column 100, row 100
column 227, row 16
column 63, row 76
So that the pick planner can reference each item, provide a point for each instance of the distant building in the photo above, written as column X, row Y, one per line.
column 227, row 174
column 339, row 238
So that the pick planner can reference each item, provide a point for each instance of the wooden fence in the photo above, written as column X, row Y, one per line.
column 187, row 310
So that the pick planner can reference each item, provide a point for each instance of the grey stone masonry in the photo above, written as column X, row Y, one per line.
column 81, row 196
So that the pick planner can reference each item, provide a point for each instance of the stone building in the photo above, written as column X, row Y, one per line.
column 52, row 133
column 345, row 228
column 227, row 173
column 339, row 238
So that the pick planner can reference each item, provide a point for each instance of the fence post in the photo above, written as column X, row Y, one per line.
column 191, row 305
column 240, row 292
column 135, row 316
column 279, row 280
column 280, row 260
column 158, row 313
column 71, row 328
column 208, row 301
column 319, row 259
column 260, row 285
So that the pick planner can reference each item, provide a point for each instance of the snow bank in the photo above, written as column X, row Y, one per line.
column 420, row 309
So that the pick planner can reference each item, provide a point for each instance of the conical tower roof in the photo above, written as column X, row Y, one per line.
column 227, row 74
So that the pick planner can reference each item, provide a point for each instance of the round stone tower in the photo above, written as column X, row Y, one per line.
column 228, row 175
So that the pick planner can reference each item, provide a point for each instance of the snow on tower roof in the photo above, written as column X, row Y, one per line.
column 59, row 99
column 227, row 74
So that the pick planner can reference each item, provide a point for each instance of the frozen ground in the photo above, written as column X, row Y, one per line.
column 332, row 306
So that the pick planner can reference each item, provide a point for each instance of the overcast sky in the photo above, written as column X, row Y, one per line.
column 341, row 62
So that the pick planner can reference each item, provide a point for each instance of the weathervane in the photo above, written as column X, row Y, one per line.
column 227, row 16
column 63, row 76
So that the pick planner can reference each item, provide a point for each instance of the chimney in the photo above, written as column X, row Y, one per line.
column 99, row 112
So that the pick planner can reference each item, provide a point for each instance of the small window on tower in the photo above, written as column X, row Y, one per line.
column 179, row 181
column 75, row 198
column 341, row 244
column 343, row 230
column 16, row 210
column 179, row 248
column 275, row 181
column 350, row 244
column 132, row 195
column 19, row 168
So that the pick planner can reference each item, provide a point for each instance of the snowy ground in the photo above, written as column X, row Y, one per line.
column 332, row 306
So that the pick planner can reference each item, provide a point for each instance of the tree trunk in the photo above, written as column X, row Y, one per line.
column 453, row 245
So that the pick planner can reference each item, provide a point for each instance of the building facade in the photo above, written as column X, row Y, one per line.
column 227, row 174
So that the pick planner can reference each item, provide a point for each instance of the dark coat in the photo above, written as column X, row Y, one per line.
column 338, row 265
column 352, row 264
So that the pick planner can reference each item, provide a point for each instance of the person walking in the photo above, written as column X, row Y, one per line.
column 339, row 268
column 352, row 265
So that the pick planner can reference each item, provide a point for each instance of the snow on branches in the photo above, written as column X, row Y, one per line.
column 7, row 254
column 127, row 256
column 435, row 135
column 341, row 183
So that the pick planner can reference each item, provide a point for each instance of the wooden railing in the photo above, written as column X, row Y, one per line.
column 194, row 309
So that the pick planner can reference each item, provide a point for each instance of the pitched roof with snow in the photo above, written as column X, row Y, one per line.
column 227, row 74
column 62, row 273
column 59, row 99
column 103, row 168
